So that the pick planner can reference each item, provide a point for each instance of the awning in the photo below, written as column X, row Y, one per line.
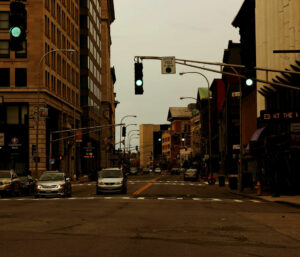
column 257, row 134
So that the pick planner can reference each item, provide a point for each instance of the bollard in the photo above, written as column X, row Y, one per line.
column 258, row 188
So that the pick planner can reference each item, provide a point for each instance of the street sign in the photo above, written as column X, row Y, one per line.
column 78, row 136
column 168, row 65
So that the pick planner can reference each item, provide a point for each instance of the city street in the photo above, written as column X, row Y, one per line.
column 159, row 216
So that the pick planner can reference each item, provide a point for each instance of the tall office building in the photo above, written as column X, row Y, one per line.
column 41, row 77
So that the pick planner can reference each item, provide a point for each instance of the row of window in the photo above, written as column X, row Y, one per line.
column 166, row 139
column 60, row 88
column 5, row 50
column 20, row 75
column 57, row 37
column 57, row 62
column 56, row 10
column 166, row 147
column 94, row 89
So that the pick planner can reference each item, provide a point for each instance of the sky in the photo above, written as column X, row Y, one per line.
column 191, row 29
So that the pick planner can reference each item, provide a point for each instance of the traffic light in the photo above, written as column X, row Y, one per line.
column 17, row 25
column 250, row 75
column 123, row 131
column 138, row 78
column 60, row 157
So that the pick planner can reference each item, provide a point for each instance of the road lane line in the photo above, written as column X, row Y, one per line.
column 141, row 198
column 216, row 200
column 196, row 199
column 160, row 198
column 238, row 201
column 255, row 201
column 107, row 197
column 146, row 186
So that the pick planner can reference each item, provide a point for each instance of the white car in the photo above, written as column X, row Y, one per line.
column 111, row 180
column 157, row 170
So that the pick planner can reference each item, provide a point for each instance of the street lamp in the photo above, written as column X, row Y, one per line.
column 38, row 104
column 126, row 116
column 130, row 140
column 209, row 114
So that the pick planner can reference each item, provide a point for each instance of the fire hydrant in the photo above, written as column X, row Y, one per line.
column 258, row 188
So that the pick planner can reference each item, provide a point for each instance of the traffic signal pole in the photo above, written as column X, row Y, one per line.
column 234, row 67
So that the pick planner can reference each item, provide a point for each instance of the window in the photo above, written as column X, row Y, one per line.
column 21, row 77
column 4, row 49
column 12, row 115
column 22, row 53
column 4, row 20
column 5, row 77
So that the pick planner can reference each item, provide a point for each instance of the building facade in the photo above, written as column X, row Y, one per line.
column 39, row 77
column 146, row 144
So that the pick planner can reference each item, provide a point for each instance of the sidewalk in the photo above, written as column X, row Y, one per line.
column 293, row 200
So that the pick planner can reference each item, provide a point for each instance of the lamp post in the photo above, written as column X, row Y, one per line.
column 128, row 135
column 126, row 116
column 38, row 104
column 130, row 140
column 209, row 115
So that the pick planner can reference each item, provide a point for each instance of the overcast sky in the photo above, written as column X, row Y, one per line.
column 190, row 29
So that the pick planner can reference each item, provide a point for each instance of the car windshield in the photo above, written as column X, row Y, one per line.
column 110, row 174
column 52, row 176
column 4, row 175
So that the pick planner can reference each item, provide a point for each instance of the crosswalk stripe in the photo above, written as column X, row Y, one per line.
column 238, row 201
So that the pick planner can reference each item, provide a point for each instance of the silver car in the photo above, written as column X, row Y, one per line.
column 53, row 183
column 111, row 180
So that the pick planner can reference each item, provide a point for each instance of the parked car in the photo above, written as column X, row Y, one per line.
column 175, row 171
column 111, row 180
column 9, row 183
column 157, row 170
column 27, row 185
column 133, row 171
column 53, row 183
column 190, row 174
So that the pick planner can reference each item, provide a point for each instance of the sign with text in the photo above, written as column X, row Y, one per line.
column 88, row 151
column 279, row 116
column 168, row 65
column 78, row 136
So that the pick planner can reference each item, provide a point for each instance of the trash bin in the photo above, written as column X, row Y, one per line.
column 221, row 181
column 233, row 181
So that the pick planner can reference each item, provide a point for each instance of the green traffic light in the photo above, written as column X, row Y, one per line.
column 249, row 82
column 139, row 82
column 15, row 32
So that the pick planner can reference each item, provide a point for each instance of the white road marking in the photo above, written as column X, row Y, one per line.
column 238, row 201
column 216, row 200
column 107, row 197
column 196, row 199
column 160, row 198
column 179, row 198
column 141, row 198
column 126, row 197
column 255, row 201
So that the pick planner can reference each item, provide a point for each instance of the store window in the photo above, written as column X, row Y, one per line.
column 12, row 115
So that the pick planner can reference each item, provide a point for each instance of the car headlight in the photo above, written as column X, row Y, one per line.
column 60, row 186
column 100, row 182
column 39, row 186
column 119, row 183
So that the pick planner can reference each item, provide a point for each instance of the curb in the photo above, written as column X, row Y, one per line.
column 265, row 200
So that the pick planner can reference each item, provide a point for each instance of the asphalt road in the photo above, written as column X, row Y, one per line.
column 159, row 216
